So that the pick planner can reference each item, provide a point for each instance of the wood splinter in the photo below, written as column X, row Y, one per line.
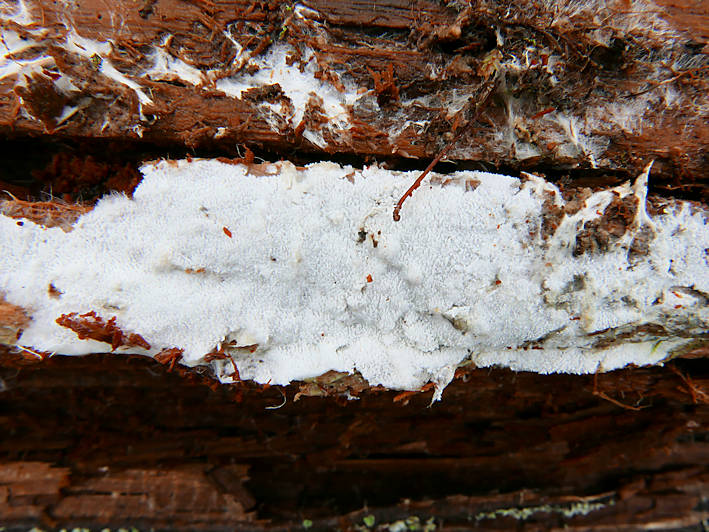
column 417, row 183
column 486, row 94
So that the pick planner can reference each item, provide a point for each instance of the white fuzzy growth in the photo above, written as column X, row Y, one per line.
column 18, row 13
column 11, row 44
column 167, row 67
column 299, row 86
column 609, row 19
column 89, row 48
column 465, row 273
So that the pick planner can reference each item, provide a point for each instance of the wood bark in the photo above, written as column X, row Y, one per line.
column 585, row 94
column 602, row 88
column 121, row 441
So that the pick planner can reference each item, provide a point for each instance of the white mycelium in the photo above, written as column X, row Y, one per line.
column 319, row 276
column 295, row 72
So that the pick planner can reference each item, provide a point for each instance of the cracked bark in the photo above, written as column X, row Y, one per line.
column 585, row 98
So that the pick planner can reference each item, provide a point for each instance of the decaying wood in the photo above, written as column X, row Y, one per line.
column 591, row 90
column 120, row 441
column 592, row 85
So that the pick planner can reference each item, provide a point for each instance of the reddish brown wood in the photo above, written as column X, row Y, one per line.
column 109, row 440
column 122, row 441
column 391, row 48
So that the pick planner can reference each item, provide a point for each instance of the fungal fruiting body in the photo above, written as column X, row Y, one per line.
column 293, row 272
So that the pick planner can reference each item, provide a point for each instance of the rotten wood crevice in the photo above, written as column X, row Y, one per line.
column 109, row 440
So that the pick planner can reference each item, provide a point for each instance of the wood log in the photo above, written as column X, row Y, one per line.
column 111, row 441
column 600, row 86
column 584, row 95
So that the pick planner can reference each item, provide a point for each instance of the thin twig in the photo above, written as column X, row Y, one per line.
column 441, row 155
column 698, row 395
column 608, row 398
column 656, row 84
column 281, row 405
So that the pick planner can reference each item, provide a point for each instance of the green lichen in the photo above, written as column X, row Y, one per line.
column 577, row 508
column 284, row 27
column 411, row 524
column 96, row 61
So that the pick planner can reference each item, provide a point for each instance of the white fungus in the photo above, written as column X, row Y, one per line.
column 307, row 264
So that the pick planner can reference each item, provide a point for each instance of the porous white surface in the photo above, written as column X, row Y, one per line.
column 465, row 274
